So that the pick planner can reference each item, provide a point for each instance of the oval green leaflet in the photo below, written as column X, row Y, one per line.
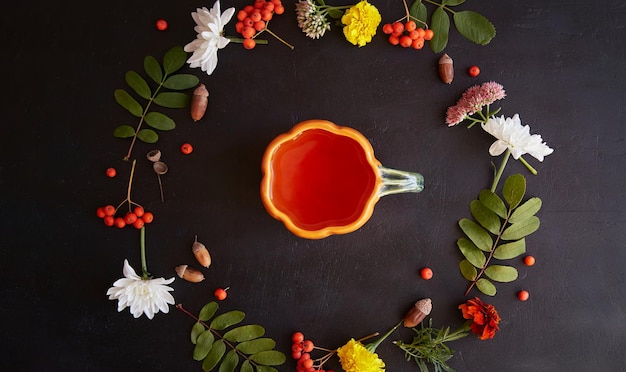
column 501, row 273
column 153, row 69
column 172, row 99
column 148, row 136
column 181, row 82
column 139, row 85
column 159, row 121
column 204, row 343
column 473, row 255
column 244, row 333
column 493, row 202
column 227, row 319
column 485, row 217
column 214, row 356
column 208, row 311
column 269, row 358
column 440, row 24
column 479, row 236
column 230, row 362
column 124, row 131
column 474, row 27
column 521, row 229
column 468, row 270
column 174, row 59
column 529, row 208
column 254, row 346
column 419, row 11
column 510, row 250
column 486, row 287
column 196, row 330
column 128, row 102
column 514, row 189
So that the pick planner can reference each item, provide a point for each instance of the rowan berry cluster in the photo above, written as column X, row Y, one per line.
column 253, row 19
column 407, row 34
column 136, row 218
column 301, row 349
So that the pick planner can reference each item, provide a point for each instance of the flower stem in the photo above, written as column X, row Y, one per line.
column 240, row 40
column 278, row 37
column 372, row 347
column 498, row 174
column 142, row 244
column 530, row 167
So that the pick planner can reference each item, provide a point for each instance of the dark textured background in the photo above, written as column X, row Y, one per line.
column 560, row 63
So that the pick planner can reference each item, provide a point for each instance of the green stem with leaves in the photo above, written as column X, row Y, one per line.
column 143, row 116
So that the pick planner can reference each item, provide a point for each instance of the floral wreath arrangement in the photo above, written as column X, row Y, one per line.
column 496, row 232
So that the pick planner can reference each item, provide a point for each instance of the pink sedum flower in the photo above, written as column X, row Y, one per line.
column 473, row 100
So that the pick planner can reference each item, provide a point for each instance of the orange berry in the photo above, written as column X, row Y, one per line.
column 130, row 218
column 258, row 4
column 394, row 40
column 405, row 41
column 248, row 22
column 147, row 217
column 279, row 9
column 239, row 26
column 138, row 224
column 248, row 32
column 387, row 28
column 119, row 222
column 256, row 15
column 529, row 260
column 109, row 220
column 523, row 295
column 220, row 293
column 297, row 337
column 307, row 346
column 296, row 354
column 138, row 211
column 259, row 25
column 414, row 35
column 186, row 148
column 248, row 9
column 100, row 212
column 266, row 15
column 421, row 32
column 161, row 25
column 410, row 26
column 276, row 2
column 428, row 34
column 473, row 71
column 268, row 6
column 418, row 43
column 241, row 15
column 109, row 210
column 249, row 43
column 426, row 273
column 111, row 172
column 397, row 27
column 308, row 363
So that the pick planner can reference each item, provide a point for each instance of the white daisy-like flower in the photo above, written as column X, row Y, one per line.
column 210, row 27
column 143, row 296
column 512, row 135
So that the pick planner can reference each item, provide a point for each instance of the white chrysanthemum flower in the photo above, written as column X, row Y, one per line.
column 512, row 135
column 210, row 28
column 143, row 296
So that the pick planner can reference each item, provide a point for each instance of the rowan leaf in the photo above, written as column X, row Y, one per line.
column 227, row 319
column 172, row 99
column 214, row 356
column 181, row 81
column 148, row 136
column 486, row 287
column 128, row 102
column 485, row 216
column 196, row 330
column 174, row 59
column 418, row 10
column 452, row 2
column 269, row 358
column 440, row 24
column 521, row 229
column 501, row 273
column 510, row 250
column 479, row 236
column 529, row 208
column 204, row 343
column 246, row 366
column 208, row 311
column 493, row 202
column 474, row 27
column 139, row 85
column 124, row 131
column 254, row 346
column 244, row 333
column 514, row 189
column 468, row 270
column 159, row 121
column 473, row 255
column 153, row 69
column 230, row 362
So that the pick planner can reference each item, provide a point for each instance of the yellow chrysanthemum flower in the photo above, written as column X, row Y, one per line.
column 354, row 357
column 361, row 22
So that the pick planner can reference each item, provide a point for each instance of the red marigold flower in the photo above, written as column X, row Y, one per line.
column 484, row 318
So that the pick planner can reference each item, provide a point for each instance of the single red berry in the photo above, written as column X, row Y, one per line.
column 248, row 9
column 100, row 212
column 119, row 222
column 296, row 354
column 297, row 337
column 111, row 172
column 429, row 34
column 259, row 25
column 307, row 346
column 220, row 293
column 161, row 25
column 109, row 210
column 405, row 41
column 387, row 28
column 109, row 220
column 308, row 363
column 523, row 295
column 279, row 9
column 138, row 211
column 138, row 224
column 529, row 260
column 296, row 346
column 249, row 44
column 473, row 71
column 147, row 217
column 130, row 218
column 241, row 15
column 397, row 27
column 426, row 273
column 186, row 148
column 410, row 26
column 268, row 6
column 417, row 43
column 394, row 40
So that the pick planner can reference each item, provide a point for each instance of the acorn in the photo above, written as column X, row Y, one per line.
column 418, row 312
column 202, row 254
column 446, row 69
column 199, row 102
column 189, row 273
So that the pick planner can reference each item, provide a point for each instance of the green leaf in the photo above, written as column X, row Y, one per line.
column 204, row 343
column 181, row 81
column 265, row 369
column 153, row 69
column 510, row 250
column 214, row 356
column 335, row 13
column 528, row 209
column 246, row 366
column 159, row 121
column 244, row 333
column 501, row 273
column 230, row 362
column 486, row 287
column 128, row 102
column 208, row 311
column 139, row 85
column 124, row 131
column 485, row 216
column 477, row 234
column 269, row 358
column 196, row 330
column 419, row 11
column 440, row 24
column 452, row 2
column 254, row 346
column 468, row 270
column 172, row 99
column 227, row 319
column 493, row 202
column 521, row 229
column 514, row 189
column 174, row 59
column 473, row 255
column 148, row 136
column 474, row 27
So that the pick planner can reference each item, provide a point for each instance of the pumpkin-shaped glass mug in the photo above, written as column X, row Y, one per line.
column 321, row 179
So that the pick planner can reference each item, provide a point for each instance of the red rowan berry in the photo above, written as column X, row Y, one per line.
column 161, row 25
column 397, row 27
column 387, row 28
column 138, row 224
column 111, row 172
column 394, row 40
column 529, row 260
column 259, row 26
column 473, row 71
column 109, row 210
column 100, row 212
column 241, row 15
column 109, row 220
column 523, row 295
column 119, row 222
column 138, row 211
column 297, row 337
column 249, row 43
column 410, row 26
column 428, row 34
column 426, row 273
column 405, row 41
column 279, row 9
column 418, row 43
column 220, row 293
column 130, row 218
column 248, row 9
column 307, row 346
column 186, row 148
column 147, row 217
column 247, row 33
column 256, row 15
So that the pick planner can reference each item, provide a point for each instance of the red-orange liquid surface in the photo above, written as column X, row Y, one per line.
column 321, row 179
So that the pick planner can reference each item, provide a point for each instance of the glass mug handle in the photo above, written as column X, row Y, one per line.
column 396, row 181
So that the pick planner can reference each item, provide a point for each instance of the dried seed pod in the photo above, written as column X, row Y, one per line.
column 418, row 312
column 202, row 254
column 154, row 155
column 446, row 69
column 199, row 102
column 189, row 273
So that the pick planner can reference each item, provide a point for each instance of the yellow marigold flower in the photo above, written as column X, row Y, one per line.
column 354, row 357
column 360, row 21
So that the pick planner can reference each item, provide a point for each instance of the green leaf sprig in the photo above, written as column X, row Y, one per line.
column 164, row 77
column 471, row 25
column 243, row 341
column 498, row 232
column 429, row 346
